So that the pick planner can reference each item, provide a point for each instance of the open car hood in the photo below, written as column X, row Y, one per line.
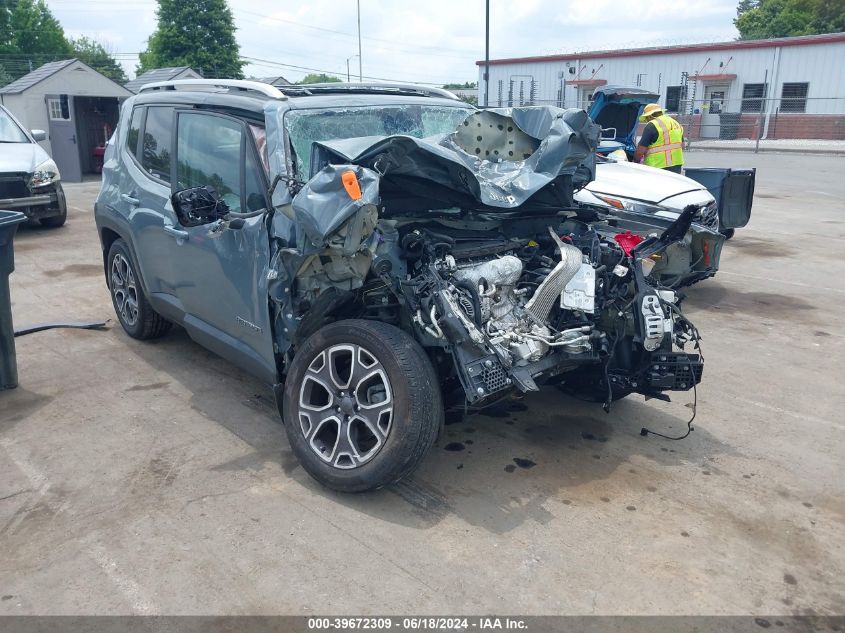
column 619, row 108
column 498, row 159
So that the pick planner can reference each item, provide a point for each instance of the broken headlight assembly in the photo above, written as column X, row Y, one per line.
column 625, row 204
column 45, row 174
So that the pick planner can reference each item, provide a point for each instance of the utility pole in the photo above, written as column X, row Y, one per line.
column 348, row 59
column 360, row 64
column 486, row 53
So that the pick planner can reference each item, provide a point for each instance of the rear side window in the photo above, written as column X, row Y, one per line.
column 134, row 131
column 156, row 152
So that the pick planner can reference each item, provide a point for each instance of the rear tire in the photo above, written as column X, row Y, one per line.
column 131, row 306
column 362, row 405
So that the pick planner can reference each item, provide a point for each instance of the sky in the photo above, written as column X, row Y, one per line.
column 432, row 42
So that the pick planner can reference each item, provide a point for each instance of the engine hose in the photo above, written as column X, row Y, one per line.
column 476, row 300
column 440, row 237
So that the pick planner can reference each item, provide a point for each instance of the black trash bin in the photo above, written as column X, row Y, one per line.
column 9, row 221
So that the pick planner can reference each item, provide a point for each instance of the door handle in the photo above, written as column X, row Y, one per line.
column 180, row 235
column 129, row 199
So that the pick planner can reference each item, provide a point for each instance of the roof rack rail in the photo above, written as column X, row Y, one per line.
column 216, row 85
column 371, row 88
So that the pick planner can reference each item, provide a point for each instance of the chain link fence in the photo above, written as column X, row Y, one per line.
column 759, row 118
column 792, row 117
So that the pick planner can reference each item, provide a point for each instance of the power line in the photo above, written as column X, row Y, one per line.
column 21, row 61
column 403, row 46
column 272, row 64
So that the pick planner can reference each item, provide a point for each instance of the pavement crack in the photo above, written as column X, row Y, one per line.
column 214, row 494
column 15, row 494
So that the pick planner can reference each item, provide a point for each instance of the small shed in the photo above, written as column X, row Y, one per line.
column 162, row 74
column 276, row 80
column 77, row 106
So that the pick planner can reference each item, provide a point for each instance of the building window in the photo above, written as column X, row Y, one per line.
column 793, row 97
column 752, row 97
column 675, row 95
column 54, row 107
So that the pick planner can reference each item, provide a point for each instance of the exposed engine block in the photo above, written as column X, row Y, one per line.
column 515, row 323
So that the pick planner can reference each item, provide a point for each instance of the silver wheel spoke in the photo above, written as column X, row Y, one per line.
column 345, row 405
column 345, row 456
column 323, row 438
column 123, row 289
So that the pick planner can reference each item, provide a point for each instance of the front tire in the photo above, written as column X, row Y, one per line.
column 131, row 306
column 56, row 221
column 362, row 405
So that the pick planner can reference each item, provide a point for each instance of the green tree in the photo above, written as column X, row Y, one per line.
column 6, row 44
column 29, row 36
column 467, row 85
column 5, row 77
column 761, row 19
column 37, row 33
column 97, row 57
column 199, row 34
column 321, row 78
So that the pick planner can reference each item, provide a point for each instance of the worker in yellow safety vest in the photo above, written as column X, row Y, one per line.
column 661, row 144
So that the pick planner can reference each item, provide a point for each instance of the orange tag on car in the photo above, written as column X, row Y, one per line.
column 350, row 183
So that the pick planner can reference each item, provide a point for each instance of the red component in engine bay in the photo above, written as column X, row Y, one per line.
column 627, row 241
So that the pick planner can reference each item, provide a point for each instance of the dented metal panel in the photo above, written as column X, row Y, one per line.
column 448, row 169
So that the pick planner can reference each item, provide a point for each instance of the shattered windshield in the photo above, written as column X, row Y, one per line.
column 304, row 127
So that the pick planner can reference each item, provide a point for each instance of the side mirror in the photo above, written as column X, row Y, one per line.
column 198, row 205
column 39, row 135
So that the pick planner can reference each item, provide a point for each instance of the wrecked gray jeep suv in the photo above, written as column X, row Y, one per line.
column 381, row 255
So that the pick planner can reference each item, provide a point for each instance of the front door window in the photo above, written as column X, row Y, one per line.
column 208, row 153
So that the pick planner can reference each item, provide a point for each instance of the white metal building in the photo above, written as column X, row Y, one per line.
column 785, row 77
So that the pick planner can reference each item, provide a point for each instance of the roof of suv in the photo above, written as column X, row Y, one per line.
column 252, row 96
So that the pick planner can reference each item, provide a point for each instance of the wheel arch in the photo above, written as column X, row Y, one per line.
column 109, row 234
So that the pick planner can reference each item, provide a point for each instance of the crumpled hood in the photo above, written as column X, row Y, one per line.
column 21, row 157
column 472, row 166
column 639, row 182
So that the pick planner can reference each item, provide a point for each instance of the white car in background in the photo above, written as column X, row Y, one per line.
column 647, row 200
column 29, row 179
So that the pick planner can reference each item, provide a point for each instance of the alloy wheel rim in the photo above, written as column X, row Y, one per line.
column 345, row 406
column 124, row 290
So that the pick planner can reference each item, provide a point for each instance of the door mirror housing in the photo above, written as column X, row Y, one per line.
column 198, row 205
column 39, row 135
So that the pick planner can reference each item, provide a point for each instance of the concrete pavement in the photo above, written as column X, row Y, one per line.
column 155, row 478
